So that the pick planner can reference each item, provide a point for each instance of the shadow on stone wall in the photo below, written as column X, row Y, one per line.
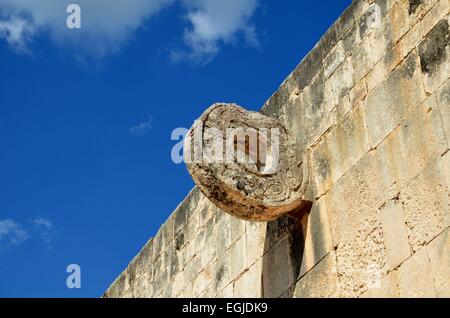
column 282, row 262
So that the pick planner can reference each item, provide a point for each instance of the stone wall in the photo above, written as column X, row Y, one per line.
column 370, row 105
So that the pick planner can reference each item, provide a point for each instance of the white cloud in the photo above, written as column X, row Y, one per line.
column 11, row 233
column 17, row 33
column 44, row 229
column 142, row 128
column 106, row 24
column 213, row 23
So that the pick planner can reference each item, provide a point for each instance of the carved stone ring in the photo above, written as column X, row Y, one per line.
column 246, row 163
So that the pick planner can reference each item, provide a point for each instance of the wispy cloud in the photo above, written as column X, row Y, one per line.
column 17, row 32
column 44, row 229
column 213, row 23
column 142, row 128
column 106, row 25
column 11, row 233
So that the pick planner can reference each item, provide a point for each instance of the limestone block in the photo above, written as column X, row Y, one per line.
column 341, row 110
column 342, row 80
column 202, row 281
column 361, row 61
column 426, row 204
column 209, row 251
column 249, row 285
column 416, row 277
column 193, row 268
column 417, row 9
column 354, row 201
column 371, row 20
column 395, row 234
column 411, row 40
column 388, row 103
column 339, row 150
column 222, row 276
column 351, row 40
column 358, row 92
column 396, row 23
column 417, row 141
column 439, row 252
column 158, row 244
column 386, row 288
column 434, row 52
column 277, row 277
column 179, row 283
column 255, row 235
column 334, row 59
column 445, row 164
column 227, row 292
column 376, row 76
column 442, row 99
column 237, row 258
column 356, row 227
column 437, row 13
column 320, row 282
column 393, row 57
column 345, row 22
column 317, row 236
column 307, row 115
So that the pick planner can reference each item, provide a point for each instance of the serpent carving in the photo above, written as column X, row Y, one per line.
column 246, row 163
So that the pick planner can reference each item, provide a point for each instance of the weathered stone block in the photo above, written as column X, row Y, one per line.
column 356, row 227
column 388, row 103
column 393, row 57
column 339, row 150
column 334, row 59
column 370, row 20
column 376, row 76
column 227, row 292
column 354, row 201
column 437, row 13
column 442, row 100
column 210, row 247
column 395, row 234
column 308, row 114
column 417, row 9
column 415, row 276
column 320, row 282
column 277, row 277
column 317, row 236
column 439, row 252
column 255, row 235
column 417, row 141
column 387, row 287
column 411, row 40
column 202, row 281
column 342, row 80
column 426, row 204
column 249, row 285
column 351, row 39
column 396, row 23
column 434, row 52
column 222, row 277
column 237, row 258
column 223, row 234
column 358, row 92
column 445, row 164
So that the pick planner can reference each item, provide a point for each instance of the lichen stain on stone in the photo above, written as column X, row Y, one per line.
column 413, row 5
column 433, row 50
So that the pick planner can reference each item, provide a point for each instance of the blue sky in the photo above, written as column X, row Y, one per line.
column 86, row 116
